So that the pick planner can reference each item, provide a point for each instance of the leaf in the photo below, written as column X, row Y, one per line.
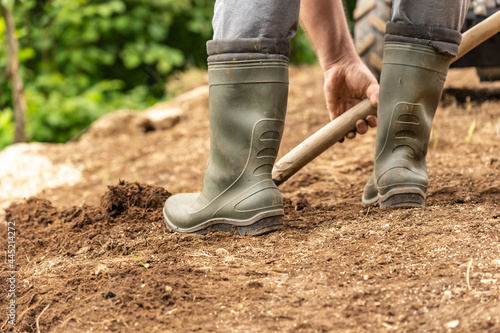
column 2, row 28
column 6, row 128
column 157, row 31
column 470, row 132
column 26, row 53
column 131, row 60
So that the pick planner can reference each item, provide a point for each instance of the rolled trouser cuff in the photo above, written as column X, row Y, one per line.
column 248, row 49
column 443, row 40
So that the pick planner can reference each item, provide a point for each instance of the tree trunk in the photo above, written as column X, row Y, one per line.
column 13, row 74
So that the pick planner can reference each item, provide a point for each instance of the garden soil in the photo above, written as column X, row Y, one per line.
column 95, row 256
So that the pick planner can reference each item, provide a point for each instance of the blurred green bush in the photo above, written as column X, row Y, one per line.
column 83, row 58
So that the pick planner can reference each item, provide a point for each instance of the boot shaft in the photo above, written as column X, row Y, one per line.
column 248, row 82
column 411, row 83
column 247, row 106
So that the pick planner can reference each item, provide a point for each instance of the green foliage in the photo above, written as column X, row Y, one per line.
column 6, row 128
column 58, row 109
column 7, row 3
column 83, row 58
column 349, row 6
column 302, row 51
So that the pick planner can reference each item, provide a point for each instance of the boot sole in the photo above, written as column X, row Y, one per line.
column 403, row 200
column 370, row 202
column 260, row 227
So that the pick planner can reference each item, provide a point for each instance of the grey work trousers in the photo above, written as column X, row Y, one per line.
column 235, row 19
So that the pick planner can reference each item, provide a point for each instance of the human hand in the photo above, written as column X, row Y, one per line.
column 347, row 82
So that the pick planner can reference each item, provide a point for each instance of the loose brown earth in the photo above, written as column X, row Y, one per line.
column 97, row 256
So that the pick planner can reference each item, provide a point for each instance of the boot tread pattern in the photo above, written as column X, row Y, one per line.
column 261, row 227
column 403, row 200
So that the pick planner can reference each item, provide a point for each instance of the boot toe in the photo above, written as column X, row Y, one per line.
column 401, row 180
column 370, row 193
column 176, row 211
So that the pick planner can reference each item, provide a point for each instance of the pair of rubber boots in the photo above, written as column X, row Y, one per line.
column 247, row 106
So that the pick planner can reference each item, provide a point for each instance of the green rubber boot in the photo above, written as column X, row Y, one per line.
column 410, row 89
column 247, row 105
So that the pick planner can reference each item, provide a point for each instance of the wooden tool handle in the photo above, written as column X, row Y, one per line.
column 335, row 130
column 320, row 141
column 478, row 34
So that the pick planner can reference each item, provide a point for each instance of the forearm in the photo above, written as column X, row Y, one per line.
column 326, row 26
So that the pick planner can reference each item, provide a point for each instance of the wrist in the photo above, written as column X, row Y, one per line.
column 344, row 54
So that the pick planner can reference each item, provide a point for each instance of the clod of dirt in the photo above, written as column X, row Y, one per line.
column 255, row 285
column 287, row 203
column 109, row 295
column 34, row 211
column 124, row 196
column 301, row 204
column 127, row 200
